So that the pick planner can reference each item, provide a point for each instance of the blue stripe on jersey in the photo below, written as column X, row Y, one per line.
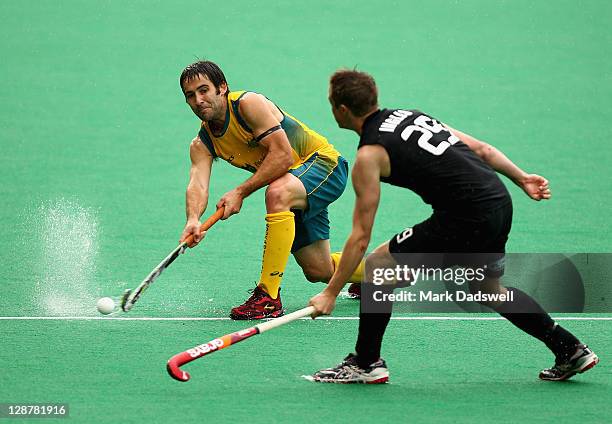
column 203, row 134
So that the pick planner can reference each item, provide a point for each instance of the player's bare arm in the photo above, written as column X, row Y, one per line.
column 196, row 196
column 370, row 164
column 257, row 113
column 535, row 186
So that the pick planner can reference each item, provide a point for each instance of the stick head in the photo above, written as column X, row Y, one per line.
column 125, row 306
column 175, row 372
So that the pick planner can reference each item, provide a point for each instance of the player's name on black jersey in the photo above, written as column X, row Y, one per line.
column 393, row 120
column 431, row 161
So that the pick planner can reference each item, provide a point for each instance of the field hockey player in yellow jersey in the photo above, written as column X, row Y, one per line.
column 303, row 174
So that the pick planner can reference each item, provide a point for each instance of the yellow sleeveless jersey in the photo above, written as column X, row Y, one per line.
column 237, row 145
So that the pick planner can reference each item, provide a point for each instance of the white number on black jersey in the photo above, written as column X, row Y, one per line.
column 428, row 127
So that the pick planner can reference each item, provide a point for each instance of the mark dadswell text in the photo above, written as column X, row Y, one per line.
column 429, row 296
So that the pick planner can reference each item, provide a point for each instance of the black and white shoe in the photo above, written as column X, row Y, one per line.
column 582, row 360
column 348, row 371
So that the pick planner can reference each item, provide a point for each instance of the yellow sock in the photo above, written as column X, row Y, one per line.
column 280, row 232
column 357, row 276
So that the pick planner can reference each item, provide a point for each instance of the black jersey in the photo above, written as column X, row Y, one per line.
column 427, row 159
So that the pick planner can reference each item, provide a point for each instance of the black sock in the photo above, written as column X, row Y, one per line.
column 371, row 332
column 525, row 313
column 372, row 325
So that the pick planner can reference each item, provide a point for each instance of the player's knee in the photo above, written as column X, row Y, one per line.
column 278, row 198
column 375, row 262
column 372, row 261
column 318, row 275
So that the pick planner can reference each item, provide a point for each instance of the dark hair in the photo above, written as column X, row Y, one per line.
column 207, row 68
column 354, row 89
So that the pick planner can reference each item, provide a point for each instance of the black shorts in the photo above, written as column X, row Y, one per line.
column 444, row 240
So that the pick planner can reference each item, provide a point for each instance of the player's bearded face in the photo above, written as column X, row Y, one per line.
column 206, row 100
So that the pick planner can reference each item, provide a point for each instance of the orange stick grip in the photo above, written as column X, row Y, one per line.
column 207, row 224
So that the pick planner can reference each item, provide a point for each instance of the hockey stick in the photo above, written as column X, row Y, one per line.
column 196, row 352
column 130, row 297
